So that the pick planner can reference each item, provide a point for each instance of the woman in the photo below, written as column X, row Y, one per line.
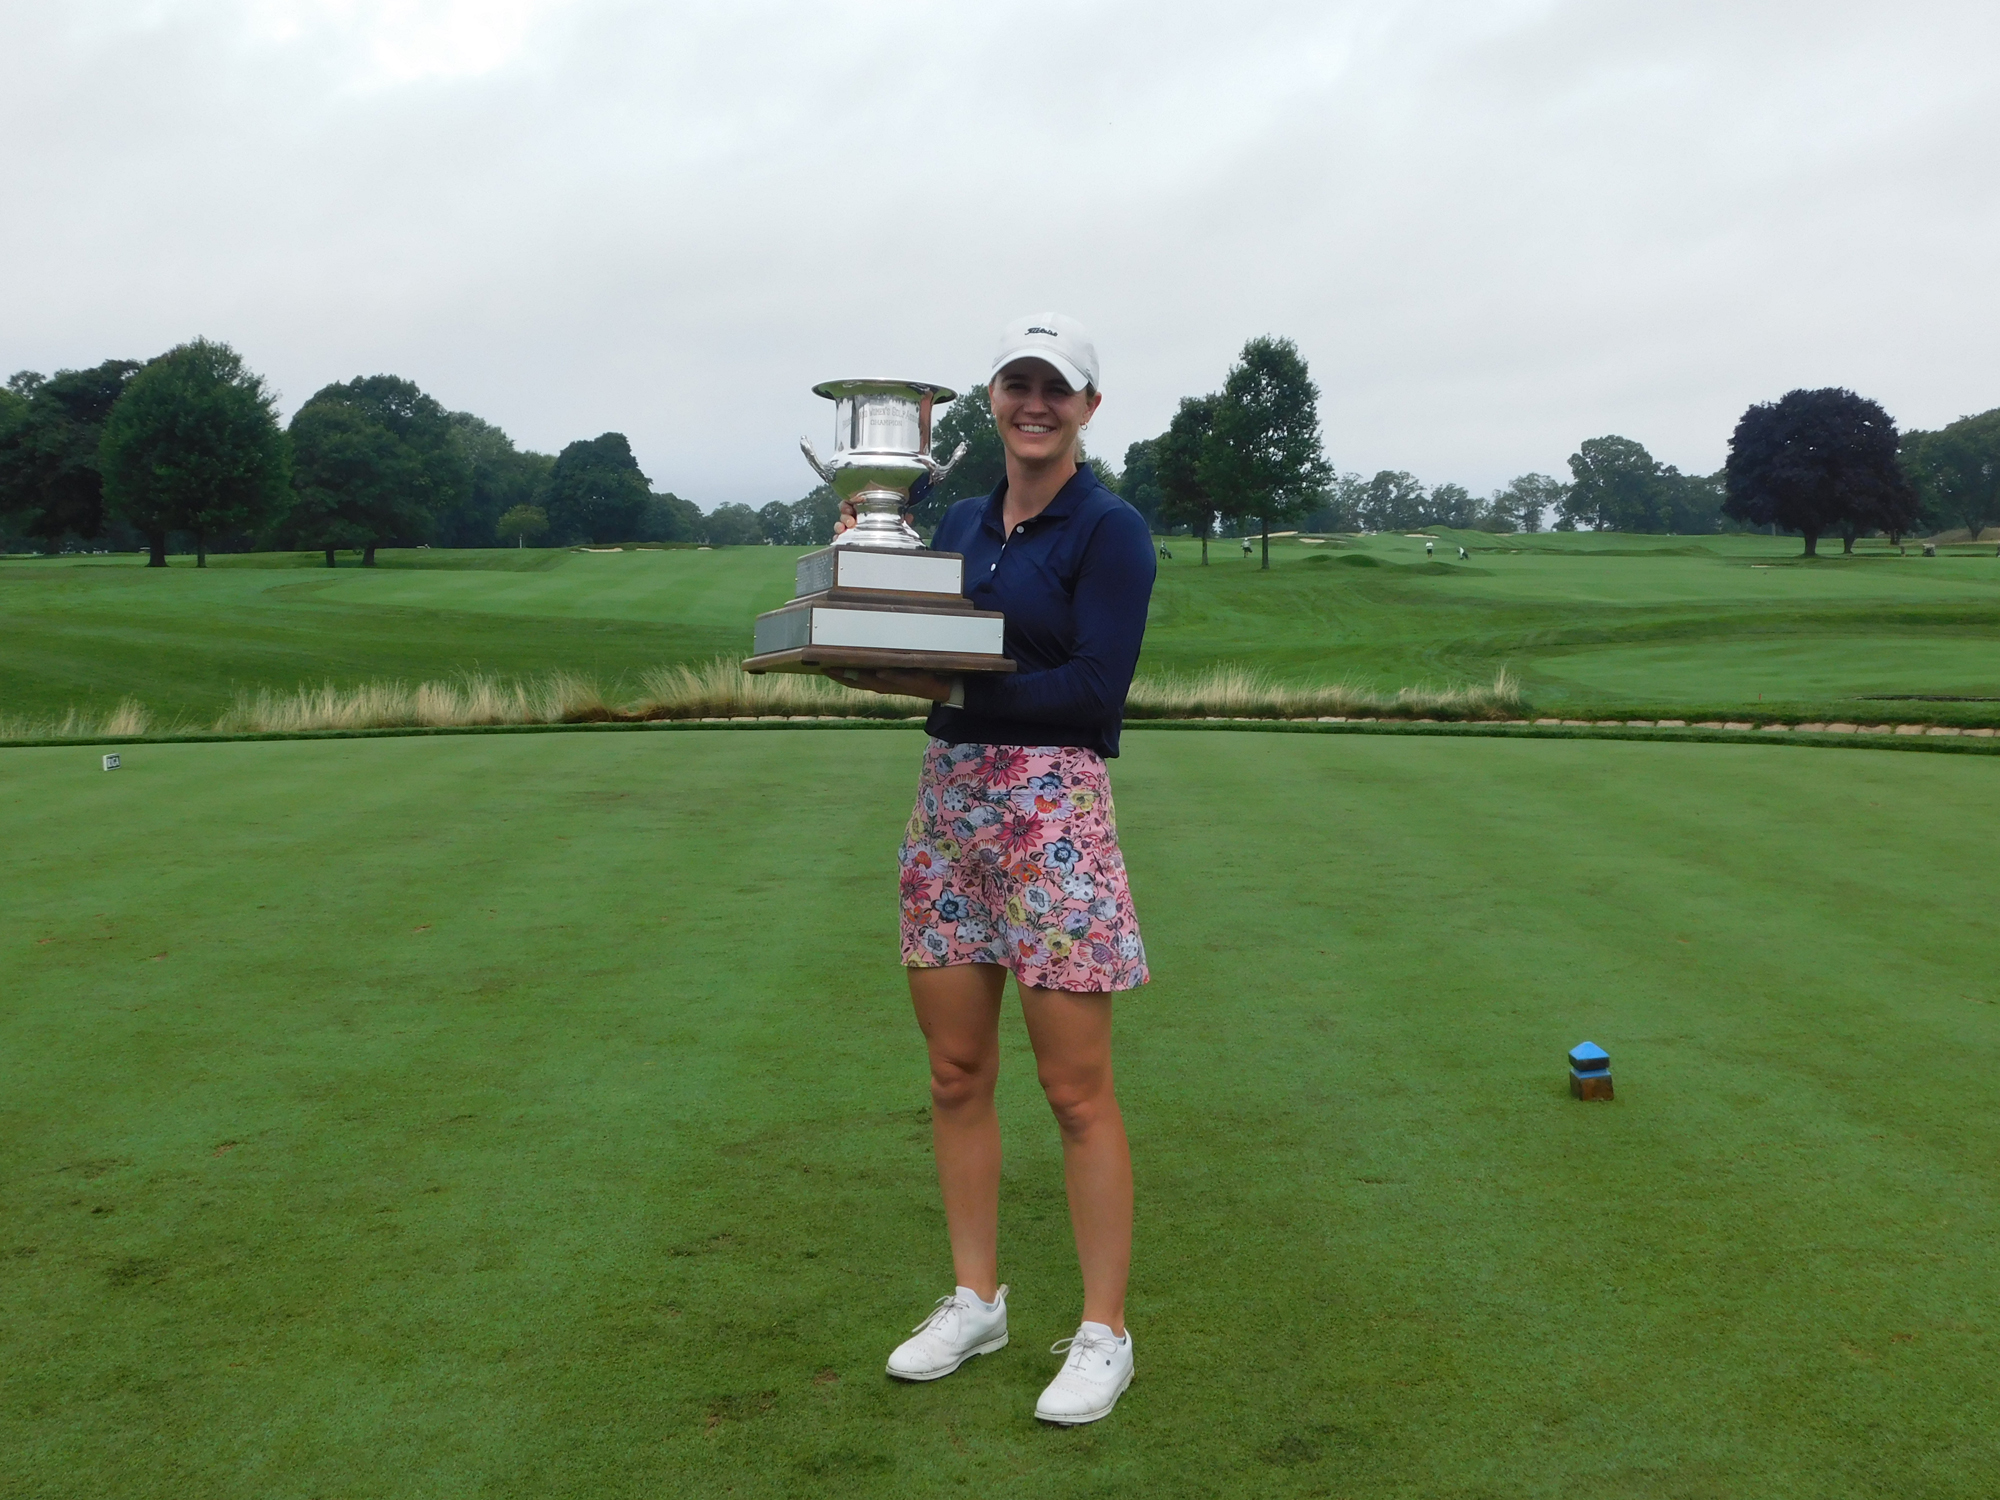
column 1011, row 861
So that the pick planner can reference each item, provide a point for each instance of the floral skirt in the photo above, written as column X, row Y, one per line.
column 1011, row 858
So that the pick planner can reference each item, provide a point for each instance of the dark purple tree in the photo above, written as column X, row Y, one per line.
column 1814, row 462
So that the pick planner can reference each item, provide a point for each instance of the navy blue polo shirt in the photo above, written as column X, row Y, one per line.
column 1073, row 583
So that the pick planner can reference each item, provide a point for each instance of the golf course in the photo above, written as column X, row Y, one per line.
column 1590, row 625
column 540, row 1113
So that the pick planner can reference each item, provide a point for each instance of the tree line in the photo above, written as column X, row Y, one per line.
column 1814, row 463
column 1249, row 457
column 189, row 446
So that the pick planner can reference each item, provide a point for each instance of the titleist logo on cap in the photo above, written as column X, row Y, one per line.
column 1049, row 331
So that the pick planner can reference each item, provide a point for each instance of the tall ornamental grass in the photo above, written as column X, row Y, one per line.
column 720, row 689
column 130, row 717
column 561, row 698
column 1241, row 693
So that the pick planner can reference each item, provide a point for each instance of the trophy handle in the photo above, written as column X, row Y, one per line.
column 939, row 470
column 806, row 447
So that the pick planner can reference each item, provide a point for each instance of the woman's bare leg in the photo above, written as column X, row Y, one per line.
column 1072, row 1037
column 959, row 1011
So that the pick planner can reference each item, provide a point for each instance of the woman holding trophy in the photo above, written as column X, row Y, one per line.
column 1011, row 860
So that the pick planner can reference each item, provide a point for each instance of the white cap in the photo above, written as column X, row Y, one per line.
column 1055, row 337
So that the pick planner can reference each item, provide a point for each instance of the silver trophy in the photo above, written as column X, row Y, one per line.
column 878, row 597
column 881, row 447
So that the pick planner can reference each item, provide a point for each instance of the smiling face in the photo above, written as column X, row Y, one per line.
column 1038, row 414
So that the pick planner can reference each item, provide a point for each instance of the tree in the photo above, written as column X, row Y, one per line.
column 733, row 525
column 967, row 420
column 49, row 435
column 1338, row 508
column 1263, row 458
column 1185, row 499
column 668, row 518
column 1452, row 505
column 193, row 444
column 775, row 521
column 1616, row 487
column 1141, row 485
column 1812, row 460
column 521, row 522
column 503, row 478
column 1691, row 504
column 595, row 492
column 1392, row 501
column 376, row 462
column 1956, row 472
column 1525, row 500
column 814, row 515
column 806, row 522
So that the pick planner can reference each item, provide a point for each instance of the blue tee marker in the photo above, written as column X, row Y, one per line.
column 1589, row 1071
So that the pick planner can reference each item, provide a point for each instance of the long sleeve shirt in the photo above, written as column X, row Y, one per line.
column 1074, row 583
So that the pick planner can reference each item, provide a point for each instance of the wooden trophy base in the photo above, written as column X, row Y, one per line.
column 878, row 608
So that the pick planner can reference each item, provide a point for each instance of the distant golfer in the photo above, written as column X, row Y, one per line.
column 1246, row 546
column 1430, row 548
column 1011, row 861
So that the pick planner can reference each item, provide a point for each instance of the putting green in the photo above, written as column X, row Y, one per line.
column 541, row 1115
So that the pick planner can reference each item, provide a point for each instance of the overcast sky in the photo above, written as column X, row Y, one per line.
column 1494, row 227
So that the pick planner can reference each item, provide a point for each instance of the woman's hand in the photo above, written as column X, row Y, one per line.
column 847, row 519
column 897, row 680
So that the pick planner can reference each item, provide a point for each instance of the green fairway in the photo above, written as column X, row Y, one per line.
column 1591, row 625
column 541, row 1115
column 185, row 641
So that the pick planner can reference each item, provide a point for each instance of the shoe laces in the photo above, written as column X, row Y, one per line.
column 951, row 1300
column 943, row 1308
column 1080, row 1346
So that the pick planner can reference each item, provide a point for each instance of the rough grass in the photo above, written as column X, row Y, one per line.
column 721, row 689
column 560, row 698
column 1246, row 693
column 129, row 718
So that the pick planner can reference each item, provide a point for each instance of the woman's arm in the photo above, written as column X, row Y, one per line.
column 1113, row 588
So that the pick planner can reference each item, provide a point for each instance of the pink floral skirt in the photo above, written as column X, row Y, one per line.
column 1011, row 858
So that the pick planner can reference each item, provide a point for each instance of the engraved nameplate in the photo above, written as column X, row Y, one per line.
column 879, row 629
column 890, row 571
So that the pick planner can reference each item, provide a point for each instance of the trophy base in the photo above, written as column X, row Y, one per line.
column 817, row 659
column 871, row 607
column 895, row 573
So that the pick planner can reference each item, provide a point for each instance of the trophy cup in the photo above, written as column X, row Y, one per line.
column 878, row 597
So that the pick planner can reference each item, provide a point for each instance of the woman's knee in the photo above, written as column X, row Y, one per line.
column 959, row 1081
column 1078, row 1103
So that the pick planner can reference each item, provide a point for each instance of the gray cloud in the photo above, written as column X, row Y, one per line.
column 1494, row 228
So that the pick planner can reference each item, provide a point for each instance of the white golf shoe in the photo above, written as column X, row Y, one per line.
column 1092, row 1378
column 959, row 1327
